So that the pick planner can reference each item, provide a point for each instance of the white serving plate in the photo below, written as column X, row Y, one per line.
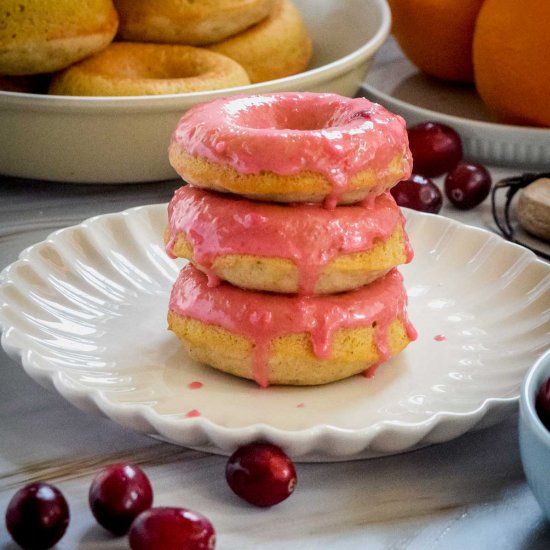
column 402, row 88
column 84, row 312
column 121, row 140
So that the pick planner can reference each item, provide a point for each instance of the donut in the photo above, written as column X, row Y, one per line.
column 276, row 47
column 39, row 36
column 132, row 69
column 289, row 339
column 292, row 147
column 188, row 22
column 276, row 248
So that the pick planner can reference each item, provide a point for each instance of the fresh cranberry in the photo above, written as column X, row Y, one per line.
column 37, row 516
column 542, row 403
column 418, row 193
column 119, row 493
column 436, row 148
column 166, row 528
column 261, row 474
column 467, row 185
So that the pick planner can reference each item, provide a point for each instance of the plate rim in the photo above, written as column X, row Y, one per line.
column 405, row 105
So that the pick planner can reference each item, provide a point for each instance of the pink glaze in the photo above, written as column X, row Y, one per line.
column 440, row 338
column 371, row 371
column 193, row 413
column 307, row 234
column 262, row 317
column 195, row 385
column 291, row 132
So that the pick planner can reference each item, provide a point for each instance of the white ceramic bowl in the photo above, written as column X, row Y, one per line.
column 119, row 140
column 534, row 437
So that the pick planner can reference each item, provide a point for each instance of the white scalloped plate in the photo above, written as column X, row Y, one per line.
column 84, row 312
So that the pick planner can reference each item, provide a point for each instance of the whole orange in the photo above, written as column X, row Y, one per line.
column 511, row 56
column 437, row 35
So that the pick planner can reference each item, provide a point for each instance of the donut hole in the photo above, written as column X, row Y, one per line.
column 292, row 114
column 130, row 68
column 159, row 63
column 168, row 69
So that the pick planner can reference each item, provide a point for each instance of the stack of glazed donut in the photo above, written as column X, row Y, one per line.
column 148, row 47
column 292, row 237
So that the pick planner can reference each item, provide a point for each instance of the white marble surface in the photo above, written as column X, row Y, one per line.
column 467, row 493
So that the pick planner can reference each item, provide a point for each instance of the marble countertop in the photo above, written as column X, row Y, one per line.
column 466, row 493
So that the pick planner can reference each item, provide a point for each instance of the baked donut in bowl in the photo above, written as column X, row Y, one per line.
column 188, row 22
column 126, row 137
column 133, row 69
column 292, row 147
column 39, row 36
column 276, row 248
column 276, row 47
column 290, row 339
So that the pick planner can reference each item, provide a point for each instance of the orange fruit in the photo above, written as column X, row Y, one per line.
column 511, row 54
column 437, row 35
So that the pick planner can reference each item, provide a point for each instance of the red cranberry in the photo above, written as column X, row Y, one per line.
column 118, row 494
column 436, row 148
column 467, row 185
column 37, row 516
column 171, row 529
column 542, row 403
column 261, row 474
column 418, row 193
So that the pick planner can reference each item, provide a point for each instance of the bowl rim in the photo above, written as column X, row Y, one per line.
column 535, row 376
column 176, row 101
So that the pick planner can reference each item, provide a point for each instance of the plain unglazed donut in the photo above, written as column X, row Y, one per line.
column 188, row 22
column 129, row 68
column 276, row 47
column 292, row 147
column 277, row 248
column 41, row 36
column 298, row 340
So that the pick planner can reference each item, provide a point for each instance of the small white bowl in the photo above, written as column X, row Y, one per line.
column 125, row 139
column 534, row 437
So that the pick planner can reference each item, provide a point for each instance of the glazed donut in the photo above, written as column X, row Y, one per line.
column 289, row 339
column 40, row 36
column 292, row 147
column 131, row 69
column 271, row 247
column 276, row 47
column 188, row 22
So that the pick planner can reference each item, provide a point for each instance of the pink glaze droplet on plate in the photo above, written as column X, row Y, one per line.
column 193, row 413
column 440, row 338
column 300, row 405
column 196, row 385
